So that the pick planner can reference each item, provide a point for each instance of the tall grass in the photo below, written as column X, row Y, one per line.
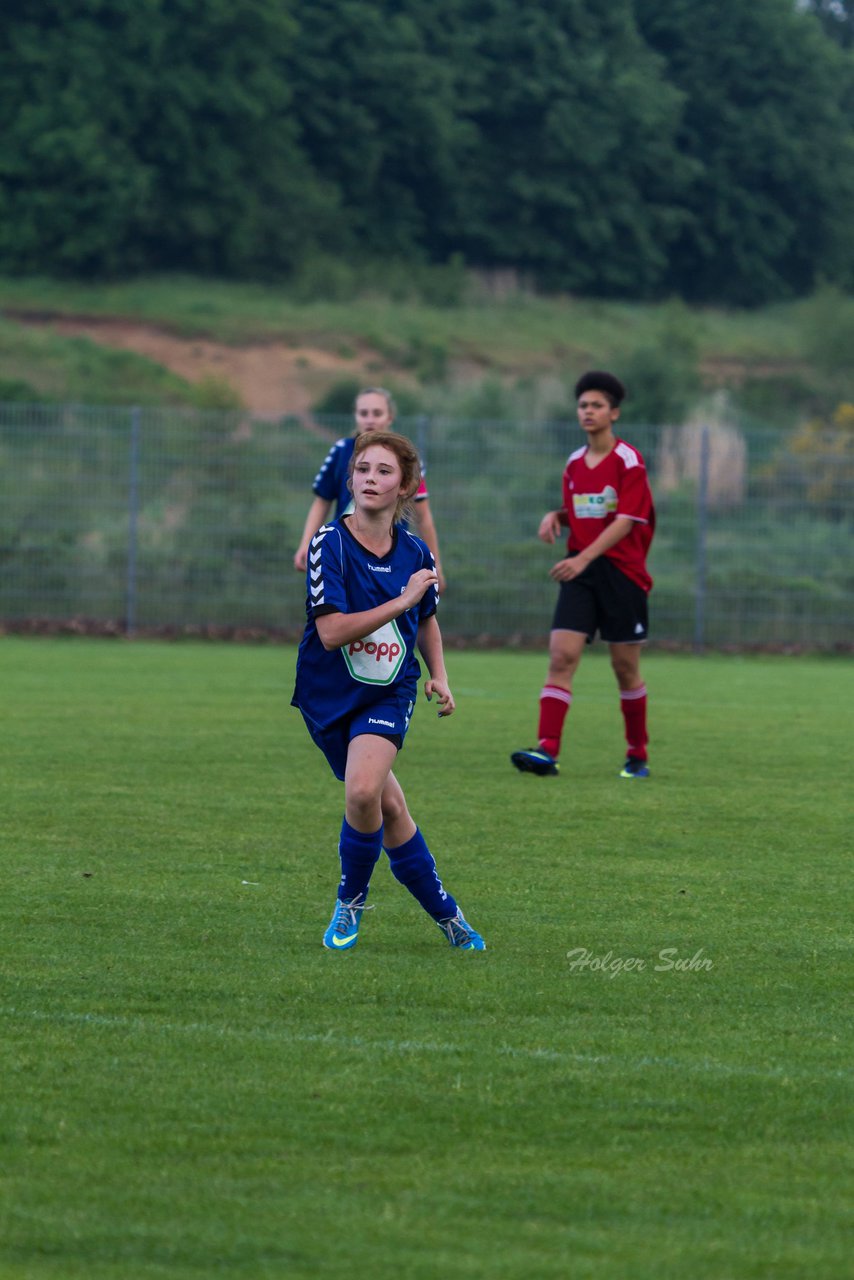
column 498, row 331
column 40, row 366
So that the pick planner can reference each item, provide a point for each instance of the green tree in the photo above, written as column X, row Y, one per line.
column 379, row 115
column 569, row 167
column 768, row 133
column 836, row 18
column 540, row 137
column 817, row 462
column 662, row 373
column 157, row 134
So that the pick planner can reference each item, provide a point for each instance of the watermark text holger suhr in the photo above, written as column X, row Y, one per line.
column 668, row 960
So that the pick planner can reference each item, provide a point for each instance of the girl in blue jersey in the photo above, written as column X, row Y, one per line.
column 372, row 597
column 374, row 410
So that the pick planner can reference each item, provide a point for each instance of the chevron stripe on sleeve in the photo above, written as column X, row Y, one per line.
column 315, row 568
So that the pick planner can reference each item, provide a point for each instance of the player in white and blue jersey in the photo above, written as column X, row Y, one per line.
column 372, row 597
column 374, row 410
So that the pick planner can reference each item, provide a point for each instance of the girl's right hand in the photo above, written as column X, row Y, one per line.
column 417, row 585
column 549, row 529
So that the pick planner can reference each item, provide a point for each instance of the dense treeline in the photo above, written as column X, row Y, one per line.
column 640, row 148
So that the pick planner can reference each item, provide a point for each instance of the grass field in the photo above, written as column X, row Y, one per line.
column 193, row 1087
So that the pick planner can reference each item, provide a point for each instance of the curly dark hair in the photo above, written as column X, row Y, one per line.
column 607, row 383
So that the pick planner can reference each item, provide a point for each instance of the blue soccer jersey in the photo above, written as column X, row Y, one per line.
column 344, row 577
column 331, row 480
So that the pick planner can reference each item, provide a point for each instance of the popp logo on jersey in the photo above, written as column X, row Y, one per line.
column 377, row 658
column 376, row 651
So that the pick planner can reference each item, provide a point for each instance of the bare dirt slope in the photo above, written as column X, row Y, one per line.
column 271, row 379
column 276, row 378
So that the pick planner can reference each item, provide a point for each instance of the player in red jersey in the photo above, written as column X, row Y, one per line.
column 604, row 582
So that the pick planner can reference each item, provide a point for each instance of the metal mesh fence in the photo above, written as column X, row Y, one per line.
column 145, row 519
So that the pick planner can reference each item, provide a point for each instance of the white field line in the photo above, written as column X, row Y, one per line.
column 261, row 1035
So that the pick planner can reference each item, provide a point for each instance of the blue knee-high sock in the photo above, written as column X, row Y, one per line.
column 412, row 864
column 358, row 852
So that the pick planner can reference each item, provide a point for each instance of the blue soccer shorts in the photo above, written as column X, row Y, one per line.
column 387, row 719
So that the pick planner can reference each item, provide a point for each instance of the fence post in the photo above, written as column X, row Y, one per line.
column 133, row 512
column 702, row 534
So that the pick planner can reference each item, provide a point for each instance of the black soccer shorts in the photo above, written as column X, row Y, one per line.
column 603, row 599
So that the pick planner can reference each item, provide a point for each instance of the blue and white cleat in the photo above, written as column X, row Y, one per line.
column 635, row 768
column 343, row 931
column 535, row 761
column 460, row 934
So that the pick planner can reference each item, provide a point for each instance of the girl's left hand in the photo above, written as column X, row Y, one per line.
column 447, row 705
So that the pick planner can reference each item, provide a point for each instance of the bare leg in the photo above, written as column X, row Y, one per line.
column 369, row 762
column 625, row 660
column 565, row 650
column 399, row 825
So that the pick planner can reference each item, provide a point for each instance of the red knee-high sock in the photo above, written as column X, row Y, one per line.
column 554, row 706
column 633, row 707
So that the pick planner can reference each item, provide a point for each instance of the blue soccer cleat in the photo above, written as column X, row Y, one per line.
column 535, row 761
column 343, row 931
column 460, row 934
column 634, row 768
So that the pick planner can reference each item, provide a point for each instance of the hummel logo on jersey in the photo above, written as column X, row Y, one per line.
column 380, row 568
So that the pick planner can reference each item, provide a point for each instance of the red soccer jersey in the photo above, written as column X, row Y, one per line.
column 595, row 496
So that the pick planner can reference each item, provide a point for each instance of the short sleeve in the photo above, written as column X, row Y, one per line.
column 325, row 573
column 429, row 602
column 327, row 482
column 635, row 499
